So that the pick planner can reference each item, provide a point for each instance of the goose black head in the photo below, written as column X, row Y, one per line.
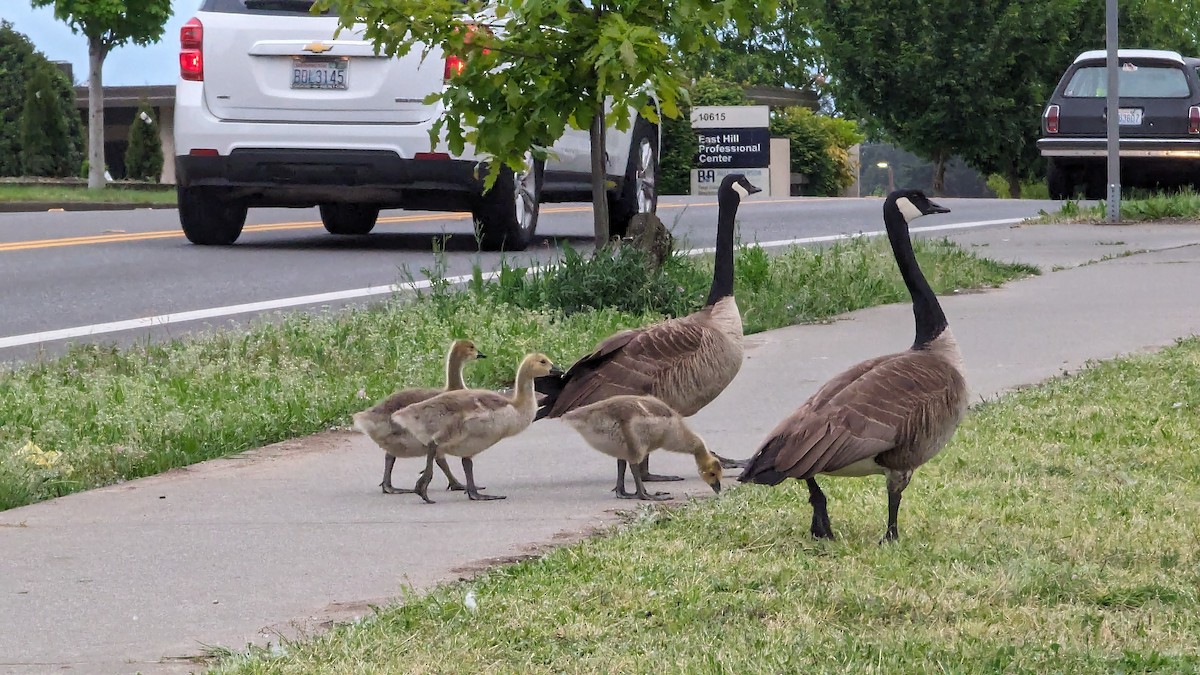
column 737, row 184
column 913, row 204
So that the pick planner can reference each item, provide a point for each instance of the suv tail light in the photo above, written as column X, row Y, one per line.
column 456, row 63
column 1052, row 119
column 1194, row 120
column 191, row 50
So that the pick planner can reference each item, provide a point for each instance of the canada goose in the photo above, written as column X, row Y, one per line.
column 376, row 422
column 887, row 415
column 466, row 422
column 686, row 362
column 630, row 427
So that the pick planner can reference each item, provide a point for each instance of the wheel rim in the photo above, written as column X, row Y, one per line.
column 525, row 194
column 645, row 178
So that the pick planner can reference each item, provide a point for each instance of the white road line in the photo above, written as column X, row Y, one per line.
column 370, row 291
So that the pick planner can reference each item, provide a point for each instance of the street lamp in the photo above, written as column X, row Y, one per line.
column 891, row 177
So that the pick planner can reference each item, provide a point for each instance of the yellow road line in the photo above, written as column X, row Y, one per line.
column 115, row 237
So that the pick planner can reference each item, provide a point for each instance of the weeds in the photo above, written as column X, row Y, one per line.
column 1181, row 205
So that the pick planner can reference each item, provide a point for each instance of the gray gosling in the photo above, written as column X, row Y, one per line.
column 376, row 422
column 887, row 415
column 630, row 428
column 464, row 423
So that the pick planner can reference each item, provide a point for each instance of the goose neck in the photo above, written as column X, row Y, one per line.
column 722, row 283
column 927, row 311
column 454, row 372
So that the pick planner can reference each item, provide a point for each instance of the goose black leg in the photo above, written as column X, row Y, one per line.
column 644, row 470
column 472, row 490
column 422, row 486
column 727, row 463
column 896, row 482
column 821, row 528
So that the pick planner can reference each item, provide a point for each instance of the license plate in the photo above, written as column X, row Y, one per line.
column 1129, row 116
column 319, row 73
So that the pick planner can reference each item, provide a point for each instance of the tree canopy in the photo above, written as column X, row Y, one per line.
column 19, row 61
column 534, row 67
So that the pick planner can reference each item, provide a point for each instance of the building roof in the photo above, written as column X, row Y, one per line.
column 129, row 97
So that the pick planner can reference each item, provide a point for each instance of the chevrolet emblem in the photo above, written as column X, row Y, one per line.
column 317, row 47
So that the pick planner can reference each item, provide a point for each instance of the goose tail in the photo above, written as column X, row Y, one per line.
column 761, row 469
column 549, row 387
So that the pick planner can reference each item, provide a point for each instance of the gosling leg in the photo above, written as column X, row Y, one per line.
column 472, row 490
column 422, row 486
column 454, row 484
column 821, row 528
column 620, row 489
column 388, row 488
column 646, row 496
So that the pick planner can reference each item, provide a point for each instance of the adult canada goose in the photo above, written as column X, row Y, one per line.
column 466, row 422
column 887, row 415
column 376, row 422
column 686, row 362
column 630, row 427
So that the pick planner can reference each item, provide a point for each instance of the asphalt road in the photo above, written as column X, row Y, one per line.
column 69, row 274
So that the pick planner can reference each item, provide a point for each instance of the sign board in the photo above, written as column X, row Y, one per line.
column 730, row 116
column 733, row 148
column 731, row 139
column 706, row 181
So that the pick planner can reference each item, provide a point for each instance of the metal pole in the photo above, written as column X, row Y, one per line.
column 1114, row 114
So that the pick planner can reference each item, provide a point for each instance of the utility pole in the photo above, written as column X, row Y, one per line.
column 1114, row 114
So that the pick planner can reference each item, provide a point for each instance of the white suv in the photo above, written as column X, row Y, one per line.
column 272, row 110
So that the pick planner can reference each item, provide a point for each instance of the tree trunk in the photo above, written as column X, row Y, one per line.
column 96, row 54
column 1014, row 183
column 599, row 193
column 939, row 174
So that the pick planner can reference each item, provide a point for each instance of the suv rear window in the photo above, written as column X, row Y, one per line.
column 1134, row 81
column 259, row 6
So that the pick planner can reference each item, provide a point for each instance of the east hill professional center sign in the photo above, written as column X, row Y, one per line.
column 730, row 139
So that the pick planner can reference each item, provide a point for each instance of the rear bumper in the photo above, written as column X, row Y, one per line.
column 1147, row 148
column 295, row 177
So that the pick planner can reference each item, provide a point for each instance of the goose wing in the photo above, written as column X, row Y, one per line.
column 403, row 399
column 450, row 415
column 629, row 362
column 867, row 410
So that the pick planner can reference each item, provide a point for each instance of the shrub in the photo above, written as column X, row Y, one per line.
column 820, row 148
column 144, row 156
column 46, row 147
column 19, row 63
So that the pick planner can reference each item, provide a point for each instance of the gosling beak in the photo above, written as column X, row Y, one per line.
column 480, row 355
column 716, row 486
column 936, row 208
column 555, row 370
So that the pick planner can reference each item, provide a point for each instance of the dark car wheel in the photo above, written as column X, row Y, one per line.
column 506, row 216
column 349, row 218
column 1059, row 180
column 208, row 218
column 639, row 190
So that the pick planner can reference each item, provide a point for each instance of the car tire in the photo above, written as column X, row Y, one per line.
column 209, row 219
column 506, row 216
column 1058, row 179
column 639, row 190
column 349, row 218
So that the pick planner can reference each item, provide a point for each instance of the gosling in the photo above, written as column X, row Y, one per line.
column 630, row 427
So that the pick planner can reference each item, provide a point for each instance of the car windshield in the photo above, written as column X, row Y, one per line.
column 1134, row 81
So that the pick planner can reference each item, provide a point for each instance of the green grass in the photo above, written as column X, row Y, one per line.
column 100, row 414
column 1056, row 533
column 157, row 196
column 1178, row 206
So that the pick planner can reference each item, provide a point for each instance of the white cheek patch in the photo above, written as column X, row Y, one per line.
column 908, row 209
column 742, row 192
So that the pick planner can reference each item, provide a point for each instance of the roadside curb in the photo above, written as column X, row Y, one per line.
column 20, row 207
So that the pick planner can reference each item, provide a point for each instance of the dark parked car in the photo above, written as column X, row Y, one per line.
column 1159, row 123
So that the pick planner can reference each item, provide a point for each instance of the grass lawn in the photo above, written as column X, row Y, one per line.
column 159, row 196
column 1178, row 206
column 1059, row 532
column 100, row 414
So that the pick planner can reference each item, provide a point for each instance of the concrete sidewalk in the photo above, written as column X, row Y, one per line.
column 138, row 576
